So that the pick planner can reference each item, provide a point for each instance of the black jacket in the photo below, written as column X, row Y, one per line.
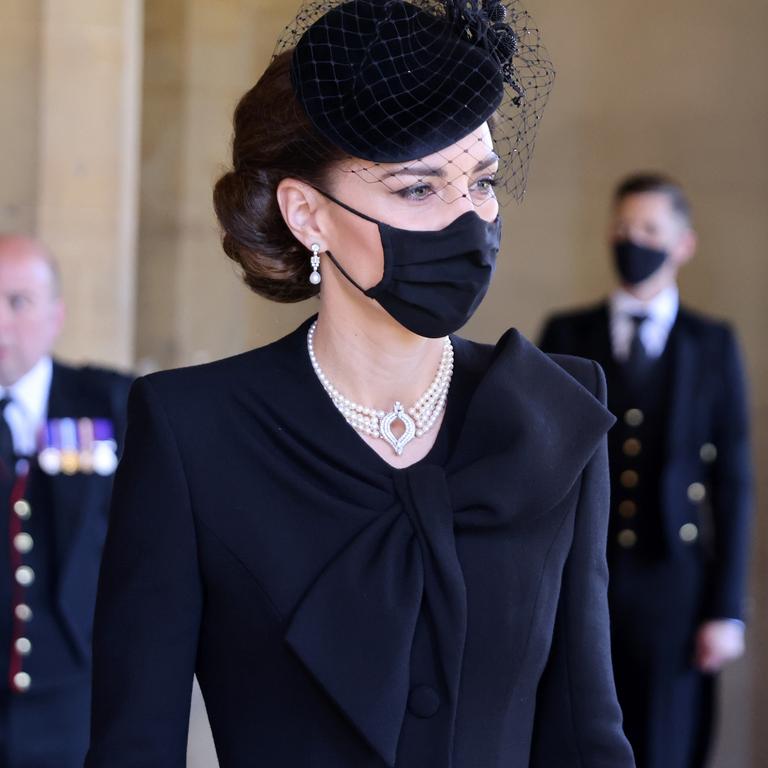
column 339, row 612
column 708, row 408
column 67, row 525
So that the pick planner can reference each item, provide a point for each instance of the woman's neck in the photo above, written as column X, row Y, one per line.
column 374, row 361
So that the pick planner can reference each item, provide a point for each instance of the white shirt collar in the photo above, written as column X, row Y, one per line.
column 661, row 309
column 29, row 407
column 31, row 390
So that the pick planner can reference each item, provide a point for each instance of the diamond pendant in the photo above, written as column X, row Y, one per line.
column 398, row 412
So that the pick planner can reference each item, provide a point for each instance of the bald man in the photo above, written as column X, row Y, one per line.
column 60, row 431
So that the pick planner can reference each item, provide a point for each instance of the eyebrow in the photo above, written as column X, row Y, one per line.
column 423, row 170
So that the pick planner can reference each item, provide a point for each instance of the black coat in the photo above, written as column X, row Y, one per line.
column 696, row 510
column 708, row 408
column 47, row 726
column 339, row 612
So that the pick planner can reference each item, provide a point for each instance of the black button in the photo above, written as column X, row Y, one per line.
column 423, row 701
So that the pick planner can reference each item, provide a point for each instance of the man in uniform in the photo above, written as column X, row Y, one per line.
column 680, row 476
column 59, row 433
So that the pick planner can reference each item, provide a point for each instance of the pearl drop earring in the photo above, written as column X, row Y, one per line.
column 314, row 260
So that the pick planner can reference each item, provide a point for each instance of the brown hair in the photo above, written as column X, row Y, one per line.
column 640, row 183
column 273, row 140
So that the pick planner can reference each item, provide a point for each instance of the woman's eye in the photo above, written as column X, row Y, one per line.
column 416, row 192
column 487, row 184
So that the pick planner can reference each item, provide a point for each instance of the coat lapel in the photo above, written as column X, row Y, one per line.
column 603, row 352
column 684, row 353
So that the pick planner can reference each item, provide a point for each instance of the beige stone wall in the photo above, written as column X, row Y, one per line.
column 19, row 76
column 70, row 73
column 200, row 58
column 86, row 208
column 671, row 86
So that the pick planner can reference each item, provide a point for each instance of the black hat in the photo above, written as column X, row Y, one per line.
column 392, row 81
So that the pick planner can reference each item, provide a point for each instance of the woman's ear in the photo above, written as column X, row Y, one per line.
column 299, row 205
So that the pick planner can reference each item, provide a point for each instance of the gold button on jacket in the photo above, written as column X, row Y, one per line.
column 689, row 533
column 629, row 478
column 627, row 508
column 696, row 491
column 632, row 447
column 627, row 538
column 22, row 509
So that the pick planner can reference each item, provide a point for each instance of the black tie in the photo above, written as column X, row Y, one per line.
column 638, row 359
column 7, row 457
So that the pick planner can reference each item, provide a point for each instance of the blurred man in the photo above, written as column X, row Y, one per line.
column 59, row 428
column 680, row 477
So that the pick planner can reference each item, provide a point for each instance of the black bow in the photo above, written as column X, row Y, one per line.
column 517, row 462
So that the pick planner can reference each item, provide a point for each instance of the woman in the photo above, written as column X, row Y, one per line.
column 376, row 543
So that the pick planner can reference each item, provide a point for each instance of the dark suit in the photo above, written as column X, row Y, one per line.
column 340, row 613
column 45, row 724
column 678, row 537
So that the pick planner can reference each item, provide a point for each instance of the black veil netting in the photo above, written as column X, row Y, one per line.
column 389, row 81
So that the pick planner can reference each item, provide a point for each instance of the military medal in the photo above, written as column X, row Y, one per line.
column 70, row 458
column 85, row 433
column 49, row 457
column 78, row 445
column 104, row 447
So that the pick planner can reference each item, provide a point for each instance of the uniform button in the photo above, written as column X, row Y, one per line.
column 627, row 509
column 688, row 533
column 22, row 509
column 708, row 452
column 25, row 575
column 423, row 701
column 23, row 543
column 23, row 646
column 627, row 538
column 634, row 417
column 632, row 447
column 23, row 612
column 22, row 681
column 696, row 491
column 629, row 478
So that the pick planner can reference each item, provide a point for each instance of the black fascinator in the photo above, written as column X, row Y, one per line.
column 389, row 81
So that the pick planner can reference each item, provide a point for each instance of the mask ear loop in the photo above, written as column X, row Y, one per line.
column 345, row 273
column 345, row 206
column 330, row 255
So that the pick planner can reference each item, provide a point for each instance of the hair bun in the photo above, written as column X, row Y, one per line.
column 272, row 141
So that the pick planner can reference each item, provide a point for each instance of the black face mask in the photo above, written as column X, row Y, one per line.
column 433, row 281
column 636, row 263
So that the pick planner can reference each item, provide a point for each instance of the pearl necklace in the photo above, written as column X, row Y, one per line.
column 418, row 420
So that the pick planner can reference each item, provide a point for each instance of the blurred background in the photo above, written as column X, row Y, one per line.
column 116, row 120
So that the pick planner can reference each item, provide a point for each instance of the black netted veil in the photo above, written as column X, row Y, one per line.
column 389, row 81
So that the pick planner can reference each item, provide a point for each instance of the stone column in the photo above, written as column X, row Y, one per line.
column 90, row 74
column 19, row 63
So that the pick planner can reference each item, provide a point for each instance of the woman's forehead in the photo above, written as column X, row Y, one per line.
column 471, row 154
